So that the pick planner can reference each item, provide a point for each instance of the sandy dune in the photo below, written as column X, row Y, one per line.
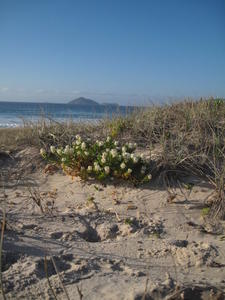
column 113, row 241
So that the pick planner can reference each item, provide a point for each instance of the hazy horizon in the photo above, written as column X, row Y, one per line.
column 128, row 52
column 148, row 102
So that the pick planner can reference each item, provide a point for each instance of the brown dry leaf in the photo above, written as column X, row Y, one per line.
column 92, row 205
column 116, row 202
column 131, row 207
column 12, row 203
column 52, row 194
column 79, row 206
column 44, row 193
column 50, row 169
column 170, row 198
column 117, row 216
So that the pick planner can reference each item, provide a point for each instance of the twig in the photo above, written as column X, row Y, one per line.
column 60, row 279
column 145, row 291
column 49, row 283
column 79, row 293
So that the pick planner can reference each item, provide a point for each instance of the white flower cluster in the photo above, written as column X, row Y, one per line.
column 68, row 150
column 97, row 168
column 99, row 143
column 101, row 159
column 43, row 152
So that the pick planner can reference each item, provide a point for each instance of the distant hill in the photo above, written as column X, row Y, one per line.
column 84, row 101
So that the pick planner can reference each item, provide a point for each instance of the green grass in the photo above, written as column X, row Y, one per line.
column 205, row 211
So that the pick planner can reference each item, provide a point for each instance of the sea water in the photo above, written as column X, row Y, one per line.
column 14, row 114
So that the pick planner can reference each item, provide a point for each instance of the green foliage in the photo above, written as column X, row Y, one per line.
column 117, row 126
column 128, row 221
column 189, row 186
column 205, row 211
column 100, row 159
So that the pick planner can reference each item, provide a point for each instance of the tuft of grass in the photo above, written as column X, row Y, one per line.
column 205, row 211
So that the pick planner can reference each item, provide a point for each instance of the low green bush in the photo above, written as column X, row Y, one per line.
column 100, row 160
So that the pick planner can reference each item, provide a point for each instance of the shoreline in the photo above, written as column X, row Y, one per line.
column 12, row 114
column 37, row 121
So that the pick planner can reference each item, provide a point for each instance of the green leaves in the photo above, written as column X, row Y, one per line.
column 100, row 159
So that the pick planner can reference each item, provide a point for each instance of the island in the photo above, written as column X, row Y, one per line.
column 84, row 101
column 86, row 104
column 89, row 102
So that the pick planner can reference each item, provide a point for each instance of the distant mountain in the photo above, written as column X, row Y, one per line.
column 84, row 102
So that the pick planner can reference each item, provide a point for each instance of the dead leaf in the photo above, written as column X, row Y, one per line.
column 171, row 197
column 116, row 201
column 131, row 207
column 50, row 169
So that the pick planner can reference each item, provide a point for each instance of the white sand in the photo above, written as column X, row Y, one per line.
column 106, row 240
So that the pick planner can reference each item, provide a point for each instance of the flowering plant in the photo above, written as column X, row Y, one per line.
column 100, row 159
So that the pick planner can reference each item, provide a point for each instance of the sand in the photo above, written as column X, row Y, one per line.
column 112, row 241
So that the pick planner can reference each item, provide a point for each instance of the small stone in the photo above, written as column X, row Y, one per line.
column 179, row 243
column 28, row 226
column 56, row 235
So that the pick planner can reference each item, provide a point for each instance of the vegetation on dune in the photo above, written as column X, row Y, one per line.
column 180, row 138
column 100, row 159
column 187, row 137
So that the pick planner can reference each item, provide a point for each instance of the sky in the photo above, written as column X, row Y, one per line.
column 124, row 51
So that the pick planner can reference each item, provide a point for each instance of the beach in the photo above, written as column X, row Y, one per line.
column 110, row 247
column 112, row 150
column 70, row 238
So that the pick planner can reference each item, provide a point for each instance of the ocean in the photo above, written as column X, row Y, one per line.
column 14, row 114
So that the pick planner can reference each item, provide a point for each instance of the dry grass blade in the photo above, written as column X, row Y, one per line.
column 36, row 197
column 175, row 294
column 49, row 283
column 60, row 279
column 145, row 291
column 79, row 293
column 218, row 208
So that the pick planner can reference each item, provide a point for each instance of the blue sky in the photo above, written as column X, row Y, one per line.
column 126, row 51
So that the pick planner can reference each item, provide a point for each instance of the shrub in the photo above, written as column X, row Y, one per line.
column 100, row 160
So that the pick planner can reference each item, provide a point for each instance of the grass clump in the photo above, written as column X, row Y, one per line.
column 205, row 211
column 186, row 138
column 100, row 160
